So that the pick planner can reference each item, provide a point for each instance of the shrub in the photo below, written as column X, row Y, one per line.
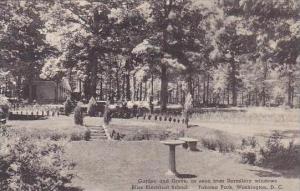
column 68, row 106
column 78, row 115
column 249, row 142
column 4, row 104
column 249, row 157
column 3, row 130
column 76, row 133
column 87, row 135
column 76, row 137
column 57, row 136
column 274, row 154
column 249, row 151
column 92, row 107
column 28, row 165
column 107, row 114
column 81, row 135
column 218, row 142
column 278, row 156
column 209, row 143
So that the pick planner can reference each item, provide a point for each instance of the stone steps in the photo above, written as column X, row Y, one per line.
column 97, row 133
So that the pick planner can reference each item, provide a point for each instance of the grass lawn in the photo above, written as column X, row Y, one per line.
column 54, row 128
column 260, row 122
column 113, row 166
column 117, row 165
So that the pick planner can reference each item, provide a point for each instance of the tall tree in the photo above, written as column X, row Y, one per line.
column 276, row 23
column 23, row 45
column 234, row 40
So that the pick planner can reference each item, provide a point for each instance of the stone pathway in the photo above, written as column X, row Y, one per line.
column 98, row 133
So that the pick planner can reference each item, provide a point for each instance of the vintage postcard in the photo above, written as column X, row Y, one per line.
column 150, row 95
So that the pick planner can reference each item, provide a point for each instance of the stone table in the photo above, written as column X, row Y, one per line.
column 172, row 164
column 190, row 143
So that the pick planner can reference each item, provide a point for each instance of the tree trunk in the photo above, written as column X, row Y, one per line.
column 199, row 90
column 146, row 91
column 128, row 93
column 110, row 87
column 224, row 96
column 118, row 85
column 141, row 91
column 207, row 90
column 134, row 88
column 93, row 71
column 30, row 89
column 190, row 85
column 249, row 98
column 123, row 94
column 243, row 98
column 57, row 92
column 18, row 88
column 101, row 89
column 163, row 89
column 256, row 98
column 204, row 91
column 290, row 90
column 152, row 83
column 234, row 83
column 228, row 96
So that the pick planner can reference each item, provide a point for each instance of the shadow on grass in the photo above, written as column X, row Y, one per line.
column 265, row 173
column 286, row 173
column 196, row 150
column 191, row 126
column 95, row 126
column 186, row 176
column 293, row 173
column 73, row 189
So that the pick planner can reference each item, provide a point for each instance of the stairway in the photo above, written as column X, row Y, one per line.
column 97, row 133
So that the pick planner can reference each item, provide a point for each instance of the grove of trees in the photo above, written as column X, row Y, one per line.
column 235, row 52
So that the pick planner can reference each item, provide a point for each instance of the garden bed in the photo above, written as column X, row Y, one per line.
column 58, row 128
column 136, row 130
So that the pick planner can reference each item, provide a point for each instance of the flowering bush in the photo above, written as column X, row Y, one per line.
column 33, row 165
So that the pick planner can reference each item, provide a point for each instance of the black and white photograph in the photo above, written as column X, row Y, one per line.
column 149, row 95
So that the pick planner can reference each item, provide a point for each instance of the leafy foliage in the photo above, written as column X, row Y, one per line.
column 78, row 115
column 214, row 50
column 28, row 165
column 274, row 154
column 278, row 156
column 68, row 106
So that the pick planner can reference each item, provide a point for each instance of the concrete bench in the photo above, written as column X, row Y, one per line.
column 190, row 143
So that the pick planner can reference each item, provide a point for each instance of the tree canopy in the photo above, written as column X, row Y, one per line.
column 221, row 51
